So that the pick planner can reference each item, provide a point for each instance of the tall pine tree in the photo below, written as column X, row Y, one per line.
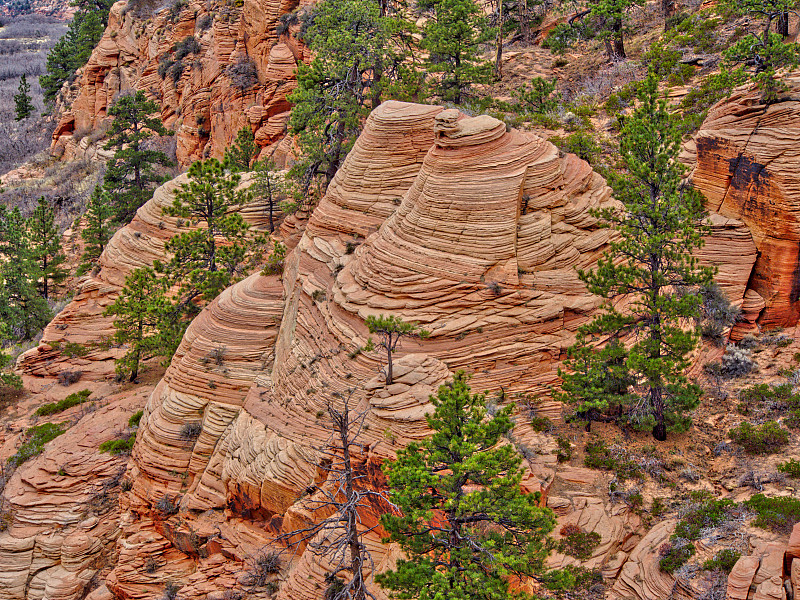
column 45, row 243
column 131, row 175
column 465, row 526
column 649, row 278
column 97, row 229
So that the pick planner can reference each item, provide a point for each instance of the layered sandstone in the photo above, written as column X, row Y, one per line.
column 746, row 164
column 239, row 77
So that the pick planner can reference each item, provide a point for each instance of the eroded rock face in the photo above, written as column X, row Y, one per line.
column 747, row 167
column 201, row 97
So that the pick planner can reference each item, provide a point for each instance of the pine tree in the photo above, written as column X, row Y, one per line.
column 612, row 15
column 97, row 229
column 23, row 100
column 139, row 311
column 651, row 265
column 269, row 185
column 202, row 266
column 243, row 152
column 465, row 526
column 131, row 174
column 46, row 250
column 73, row 50
column 352, row 66
column 767, row 51
column 23, row 309
column 390, row 331
column 452, row 37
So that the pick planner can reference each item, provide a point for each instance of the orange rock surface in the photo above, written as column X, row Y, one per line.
column 203, row 104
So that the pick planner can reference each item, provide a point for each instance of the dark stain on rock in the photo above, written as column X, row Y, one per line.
column 745, row 172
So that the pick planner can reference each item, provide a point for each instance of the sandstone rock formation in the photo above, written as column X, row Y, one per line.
column 240, row 77
column 746, row 164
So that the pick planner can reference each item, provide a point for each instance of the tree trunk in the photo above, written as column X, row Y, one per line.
column 615, row 44
column 660, row 428
column 389, row 363
column 498, row 58
column 783, row 24
column 668, row 8
column 524, row 23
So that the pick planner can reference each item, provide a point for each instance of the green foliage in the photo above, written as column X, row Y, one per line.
column 710, row 513
column 74, row 350
column 571, row 579
column 765, row 50
column 353, row 65
column 791, row 467
column 674, row 555
column 564, row 451
column 131, row 174
column 270, row 186
column 275, row 262
column 452, row 36
column 775, row 514
column 561, row 37
column 135, row 419
column 766, row 438
column 62, row 405
column 699, row 99
column 140, row 311
column 659, row 230
column 35, row 439
column 72, row 51
column 188, row 45
column 536, row 97
column 200, row 265
column 241, row 155
column 22, row 308
column 612, row 15
column 724, row 560
column 98, row 228
column 120, row 446
column 45, row 243
column 580, row 143
column 463, row 523
column 22, row 100
column 578, row 543
column 599, row 456
column 390, row 330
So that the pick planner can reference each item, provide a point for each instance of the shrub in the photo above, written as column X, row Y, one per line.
column 541, row 424
column 37, row 437
column 578, row 543
column 536, row 97
column 767, row 438
column 6, row 518
column 191, row 431
column 723, row 560
column 73, row 350
column 119, row 446
column 167, row 506
column 68, row 402
column 777, row 514
column 564, row 452
column 674, row 554
column 67, row 378
column 571, row 579
column 176, row 71
column 261, row 567
column 135, row 418
column 276, row 260
column 599, row 456
column 170, row 591
column 579, row 143
column 164, row 66
column 736, row 362
column 205, row 22
column 188, row 45
column 791, row 467
column 710, row 513
column 243, row 73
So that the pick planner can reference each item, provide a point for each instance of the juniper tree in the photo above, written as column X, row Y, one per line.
column 644, row 276
column 390, row 331
column 766, row 50
column 464, row 525
column 243, row 152
column 452, row 36
column 22, row 100
column 131, row 174
column 139, row 312
column 97, row 229
column 45, row 244
column 22, row 308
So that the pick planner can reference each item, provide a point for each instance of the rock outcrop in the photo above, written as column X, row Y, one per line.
column 746, row 164
column 237, row 73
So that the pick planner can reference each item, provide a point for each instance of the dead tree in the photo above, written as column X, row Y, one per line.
column 339, row 538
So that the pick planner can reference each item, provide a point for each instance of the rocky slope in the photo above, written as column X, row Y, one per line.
column 237, row 75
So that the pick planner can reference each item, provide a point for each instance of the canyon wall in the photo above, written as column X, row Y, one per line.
column 238, row 75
